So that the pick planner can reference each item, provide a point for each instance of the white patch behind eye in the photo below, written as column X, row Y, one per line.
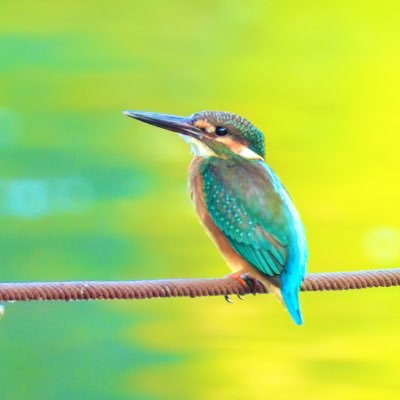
column 249, row 154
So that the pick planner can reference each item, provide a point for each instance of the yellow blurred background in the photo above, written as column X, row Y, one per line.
column 86, row 193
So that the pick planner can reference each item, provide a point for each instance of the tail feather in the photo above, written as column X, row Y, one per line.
column 292, row 303
column 289, row 298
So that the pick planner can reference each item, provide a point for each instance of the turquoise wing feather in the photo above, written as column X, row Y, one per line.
column 244, row 203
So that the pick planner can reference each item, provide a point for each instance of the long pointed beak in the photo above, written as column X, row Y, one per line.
column 173, row 123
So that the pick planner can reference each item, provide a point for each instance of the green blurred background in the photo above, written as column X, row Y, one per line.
column 86, row 193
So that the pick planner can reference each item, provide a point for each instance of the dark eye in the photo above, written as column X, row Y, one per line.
column 221, row 130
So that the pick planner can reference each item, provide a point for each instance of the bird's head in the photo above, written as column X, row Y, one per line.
column 211, row 133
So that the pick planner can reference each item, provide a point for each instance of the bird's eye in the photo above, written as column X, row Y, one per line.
column 221, row 130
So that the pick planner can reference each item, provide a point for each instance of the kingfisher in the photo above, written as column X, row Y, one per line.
column 241, row 202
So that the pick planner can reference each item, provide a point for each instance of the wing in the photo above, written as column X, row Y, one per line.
column 243, row 202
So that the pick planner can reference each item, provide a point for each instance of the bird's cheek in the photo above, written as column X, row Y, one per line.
column 231, row 143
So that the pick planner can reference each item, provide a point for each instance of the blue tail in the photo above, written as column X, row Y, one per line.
column 291, row 299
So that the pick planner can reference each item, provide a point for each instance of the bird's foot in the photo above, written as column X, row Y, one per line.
column 246, row 280
column 250, row 282
column 228, row 298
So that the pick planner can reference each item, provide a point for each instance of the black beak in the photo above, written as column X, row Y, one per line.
column 173, row 123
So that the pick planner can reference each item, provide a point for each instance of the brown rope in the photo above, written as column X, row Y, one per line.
column 92, row 290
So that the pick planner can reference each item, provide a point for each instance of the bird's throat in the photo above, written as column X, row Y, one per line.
column 198, row 147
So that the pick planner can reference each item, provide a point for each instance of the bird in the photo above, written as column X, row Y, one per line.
column 241, row 202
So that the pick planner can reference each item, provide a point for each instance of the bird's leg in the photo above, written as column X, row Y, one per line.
column 251, row 282
column 245, row 280
column 239, row 277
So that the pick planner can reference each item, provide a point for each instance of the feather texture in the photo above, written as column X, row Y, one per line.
column 250, row 206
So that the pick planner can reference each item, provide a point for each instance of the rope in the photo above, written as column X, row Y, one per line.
column 93, row 290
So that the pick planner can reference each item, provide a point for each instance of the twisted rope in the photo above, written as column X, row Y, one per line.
column 92, row 290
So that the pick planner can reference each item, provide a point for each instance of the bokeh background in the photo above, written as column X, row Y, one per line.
column 86, row 193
